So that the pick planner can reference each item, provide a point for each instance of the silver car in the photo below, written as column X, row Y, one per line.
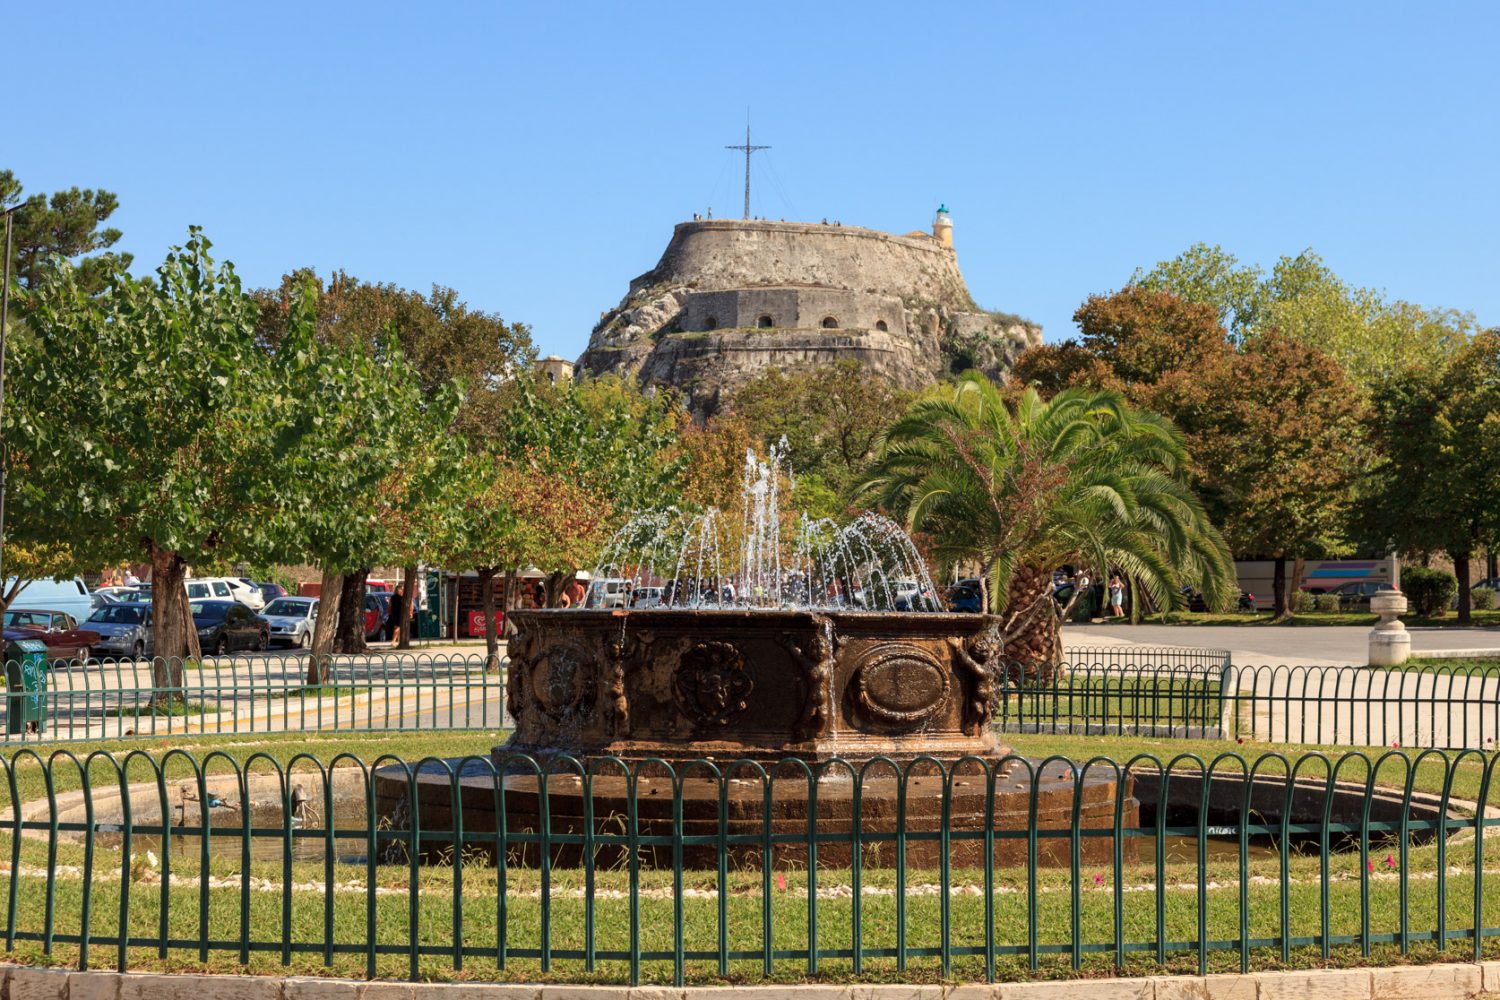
column 124, row 631
column 292, row 620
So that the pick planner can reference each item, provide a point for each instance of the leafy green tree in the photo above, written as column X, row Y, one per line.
column 831, row 417
column 1273, row 426
column 65, row 226
column 1277, row 435
column 443, row 339
column 1023, row 487
column 1372, row 337
column 161, row 424
column 1435, row 486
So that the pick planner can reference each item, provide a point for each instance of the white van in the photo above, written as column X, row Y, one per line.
column 225, row 588
column 66, row 594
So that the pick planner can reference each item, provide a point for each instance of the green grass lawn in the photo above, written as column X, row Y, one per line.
column 1314, row 618
column 298, row 903
column 1462, row 666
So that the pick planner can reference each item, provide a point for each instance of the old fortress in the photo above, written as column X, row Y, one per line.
column 732, row 297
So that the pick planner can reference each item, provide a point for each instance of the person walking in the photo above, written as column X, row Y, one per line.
column 1116, row 596
column 396, row 617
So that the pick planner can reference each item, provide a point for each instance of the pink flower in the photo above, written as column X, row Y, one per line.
column 781, row 882
column 1395, row 745
column 1098, row 880
column 1390, row 861
column 1371, row 864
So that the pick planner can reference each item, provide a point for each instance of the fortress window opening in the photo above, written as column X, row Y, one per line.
column 764, row 323
column 830, row 323
column 880, row 325
column 712, row 323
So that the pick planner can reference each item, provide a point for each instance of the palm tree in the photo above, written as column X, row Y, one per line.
column 1021, row 487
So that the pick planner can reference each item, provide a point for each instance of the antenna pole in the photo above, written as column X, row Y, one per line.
column 747, row 149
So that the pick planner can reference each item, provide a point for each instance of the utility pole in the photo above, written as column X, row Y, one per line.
column 747, row 149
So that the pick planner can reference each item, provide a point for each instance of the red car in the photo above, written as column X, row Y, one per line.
column 65, row 640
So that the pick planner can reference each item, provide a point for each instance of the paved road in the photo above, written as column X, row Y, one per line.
column 1261, row 644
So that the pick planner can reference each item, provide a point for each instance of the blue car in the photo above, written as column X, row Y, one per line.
column 966, row 596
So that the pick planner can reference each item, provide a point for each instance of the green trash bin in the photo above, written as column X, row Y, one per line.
column 26, row 669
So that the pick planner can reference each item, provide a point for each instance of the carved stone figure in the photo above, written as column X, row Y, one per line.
column 973, row 655
column 817, row 668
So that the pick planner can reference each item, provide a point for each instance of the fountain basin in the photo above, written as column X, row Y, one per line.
column 724, row 685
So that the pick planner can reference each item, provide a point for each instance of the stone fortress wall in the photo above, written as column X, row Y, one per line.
column 730, row 298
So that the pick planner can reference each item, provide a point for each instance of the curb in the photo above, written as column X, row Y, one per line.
column 1413, row 982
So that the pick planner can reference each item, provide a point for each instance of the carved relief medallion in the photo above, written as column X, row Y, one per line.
column 562, row 680
column 900, row 685
column 711, row 683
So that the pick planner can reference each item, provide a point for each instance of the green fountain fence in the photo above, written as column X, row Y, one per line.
column 124, row 861
column 1166, row 693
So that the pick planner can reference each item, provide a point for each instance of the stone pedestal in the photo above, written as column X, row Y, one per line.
column 1390, row 645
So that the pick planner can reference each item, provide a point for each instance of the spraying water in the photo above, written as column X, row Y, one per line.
column 672, row 559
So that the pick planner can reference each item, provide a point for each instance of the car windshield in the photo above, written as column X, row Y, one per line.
column 119, row 614
column 208, row 611
column 288, row 609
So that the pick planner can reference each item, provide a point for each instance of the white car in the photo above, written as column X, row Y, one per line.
column 292, row 621
column 225, row 588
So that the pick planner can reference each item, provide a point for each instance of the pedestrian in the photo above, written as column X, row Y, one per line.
column 576, row 592
column 396, row 617
column 1116, row 596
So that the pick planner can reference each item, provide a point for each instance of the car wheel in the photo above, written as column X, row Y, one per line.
column 85, row 654
column 138, row 651
column 221, row 645
column 262, row 640
column 303, row 641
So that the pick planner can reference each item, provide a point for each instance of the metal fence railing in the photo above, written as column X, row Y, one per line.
column 630, row 873
column 257, row 694
column 1133, row 657
column 1451, row 707
column 1448, row 706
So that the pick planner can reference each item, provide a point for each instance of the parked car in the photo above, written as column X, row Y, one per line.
column 1355, row 595
column 226, row 625
column 65, row 641
column 225, row 587
column 646, row 597
column 135, row 595
column 608, row 592
column 66, row 594
column 124, row 630
column 292, row 620
column 270, row 591
column 377, row 609
column 966, row 596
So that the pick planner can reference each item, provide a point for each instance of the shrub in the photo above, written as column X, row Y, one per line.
column 1303, row 602
column 1430, row 591
column 1328, row 602
column 1481, row 598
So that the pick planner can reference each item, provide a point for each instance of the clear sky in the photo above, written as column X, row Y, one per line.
column 535, row 157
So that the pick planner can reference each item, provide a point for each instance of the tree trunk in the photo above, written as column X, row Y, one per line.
column 169, row 610
column 351, row 628
column 491, row 634
column 1278, row 587
column 1033, row 644
column 330, row 599
column 1299, row 566
column 1465, row 599
column 409, row 576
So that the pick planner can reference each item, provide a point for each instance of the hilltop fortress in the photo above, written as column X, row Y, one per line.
column 733, row 297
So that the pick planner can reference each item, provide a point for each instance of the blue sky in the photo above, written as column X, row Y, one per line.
column 536, row 157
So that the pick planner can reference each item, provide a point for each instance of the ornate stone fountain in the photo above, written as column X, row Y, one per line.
column 815, row 675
